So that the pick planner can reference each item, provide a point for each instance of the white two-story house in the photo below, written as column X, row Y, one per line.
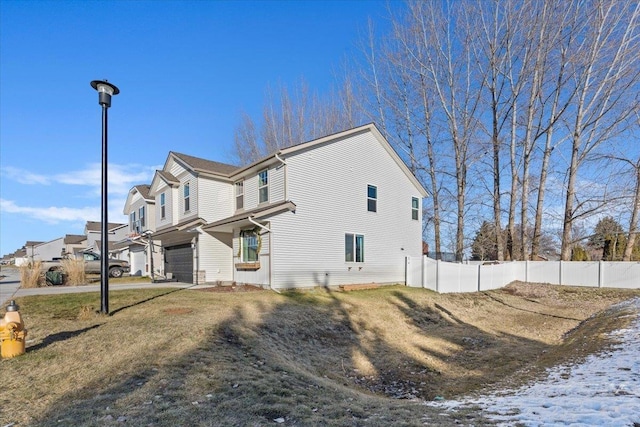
column 145, row 256
column 190, row 192
column 343, row 209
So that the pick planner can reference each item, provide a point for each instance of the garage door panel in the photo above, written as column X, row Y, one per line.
column 178, row 260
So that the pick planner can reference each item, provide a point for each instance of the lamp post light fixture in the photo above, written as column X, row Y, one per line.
column 105, row 91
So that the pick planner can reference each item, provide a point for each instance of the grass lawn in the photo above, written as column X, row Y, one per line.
column 168, row 357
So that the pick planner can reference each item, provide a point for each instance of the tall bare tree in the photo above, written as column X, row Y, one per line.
column 605, row 66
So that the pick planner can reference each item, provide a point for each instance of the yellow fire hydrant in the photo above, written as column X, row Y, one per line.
column 12, row 332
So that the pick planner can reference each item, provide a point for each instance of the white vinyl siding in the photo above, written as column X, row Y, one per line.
column 327, row 209
column 214, row 257
column 215, row 199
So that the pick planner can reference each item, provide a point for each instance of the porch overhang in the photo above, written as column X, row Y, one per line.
column 246, row 219
column 178, row 233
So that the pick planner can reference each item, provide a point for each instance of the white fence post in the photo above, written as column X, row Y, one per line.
column 600, row 273
column 560, row 273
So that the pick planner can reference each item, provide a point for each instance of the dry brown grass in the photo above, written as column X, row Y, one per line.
column 31, row 275
column 74, row 271
column 167, row 357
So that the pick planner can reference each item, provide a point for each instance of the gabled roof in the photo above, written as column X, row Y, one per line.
column 331, row 139
column 32, row 243
column 143, row 190
column 168, row 178
column 231, row 172
column 74, row 239
column 203, row 165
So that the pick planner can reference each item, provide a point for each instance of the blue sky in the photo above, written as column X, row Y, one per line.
column 186, row 70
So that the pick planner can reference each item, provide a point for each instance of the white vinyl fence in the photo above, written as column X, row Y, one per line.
column 446, row 277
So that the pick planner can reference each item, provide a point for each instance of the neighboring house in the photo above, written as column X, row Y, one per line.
column 74, row 244
column 343, row 209
column 49, row 250
column 27, row 253
column 116, row 232
column 20, row 257
column 144, row 253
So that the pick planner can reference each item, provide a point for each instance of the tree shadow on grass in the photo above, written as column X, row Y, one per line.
column 314, row 358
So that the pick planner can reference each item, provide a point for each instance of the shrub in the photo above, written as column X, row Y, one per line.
column 74, row 269
column 31, row 275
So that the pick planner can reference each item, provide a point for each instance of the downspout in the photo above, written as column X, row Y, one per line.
column 284, row 163
column 280, row 159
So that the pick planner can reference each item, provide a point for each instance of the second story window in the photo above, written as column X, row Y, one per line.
column 372, row 198
column 415, row 206
column 163, row 210
column 240, row 195
column 132, row 219
column 263, row 186
column 141, row 216
column 187, row 204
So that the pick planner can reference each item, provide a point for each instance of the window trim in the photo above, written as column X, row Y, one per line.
column 163, row 210
column 186, row 196
column 243, row 252
column 132, row 221
column 415, row 210
column 239, row 196
column 141, row 216
column 356, row 248
column 263, row 186
column 372, row 201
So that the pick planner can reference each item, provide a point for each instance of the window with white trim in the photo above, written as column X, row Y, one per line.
column 132, row 219
column 141, row 216
column 372, row 198
column 239, row 195
column 353, row 247
column 163, row 210
column 187, row 201
column 415, row 207
column 249, row 246
column 263, row 186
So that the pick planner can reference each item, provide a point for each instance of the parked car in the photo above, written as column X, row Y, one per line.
column 117, row 267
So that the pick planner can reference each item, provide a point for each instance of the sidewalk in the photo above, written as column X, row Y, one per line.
column 10, row 287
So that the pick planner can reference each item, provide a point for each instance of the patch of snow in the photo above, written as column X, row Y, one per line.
column 603, row 390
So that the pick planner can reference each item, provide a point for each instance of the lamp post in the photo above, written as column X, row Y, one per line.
column 105, row 91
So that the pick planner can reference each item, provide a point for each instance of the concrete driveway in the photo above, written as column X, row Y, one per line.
column 10, row 286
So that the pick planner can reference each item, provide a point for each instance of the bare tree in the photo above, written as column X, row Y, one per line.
column 605, row 67
column 288, row 120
